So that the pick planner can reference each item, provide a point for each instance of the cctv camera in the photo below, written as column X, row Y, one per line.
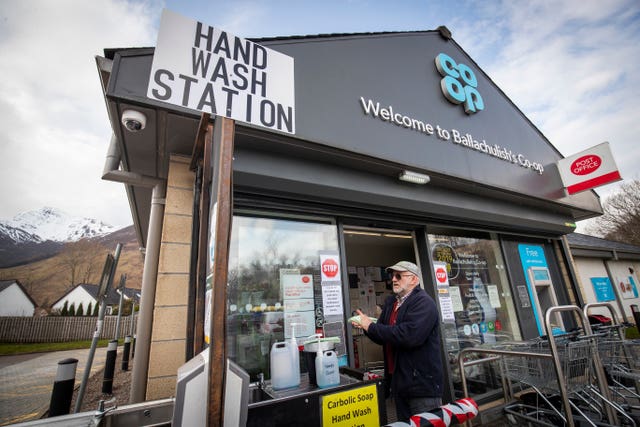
column 133, row 120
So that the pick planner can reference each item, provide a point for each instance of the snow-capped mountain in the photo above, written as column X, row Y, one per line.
column 51, row 224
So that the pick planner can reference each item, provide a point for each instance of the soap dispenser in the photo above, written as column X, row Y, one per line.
column 295, row 356
column 327, row 370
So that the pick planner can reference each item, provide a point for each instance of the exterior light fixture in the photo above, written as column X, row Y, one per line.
column 414, row 177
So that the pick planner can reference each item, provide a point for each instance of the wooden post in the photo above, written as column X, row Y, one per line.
column 222, row 213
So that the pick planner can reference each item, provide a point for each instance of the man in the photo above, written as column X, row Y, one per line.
column 408, row 329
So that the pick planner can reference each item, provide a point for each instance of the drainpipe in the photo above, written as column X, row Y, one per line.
column 150, row 273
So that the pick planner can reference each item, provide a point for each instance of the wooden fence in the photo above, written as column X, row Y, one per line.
column 60, row 328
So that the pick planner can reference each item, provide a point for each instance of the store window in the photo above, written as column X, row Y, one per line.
column 481, row 300
column 274, row 285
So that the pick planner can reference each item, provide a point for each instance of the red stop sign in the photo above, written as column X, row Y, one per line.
column 441, row 275
column 330, row 268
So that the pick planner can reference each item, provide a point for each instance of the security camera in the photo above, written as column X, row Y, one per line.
column 133, row 120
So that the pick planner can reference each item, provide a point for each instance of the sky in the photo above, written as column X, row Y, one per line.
column 571, row 66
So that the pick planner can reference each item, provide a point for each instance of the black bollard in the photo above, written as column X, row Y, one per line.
column 133, row 346
column 110, row 367
column 63, row 387
column 125, row 353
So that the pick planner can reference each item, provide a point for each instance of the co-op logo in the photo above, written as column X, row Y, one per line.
column 459, row 84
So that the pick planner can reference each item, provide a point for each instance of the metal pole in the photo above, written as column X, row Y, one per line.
column 96, row 334
column 123, row 280
column 110, row 367
column 147, row 299
column 62, row 392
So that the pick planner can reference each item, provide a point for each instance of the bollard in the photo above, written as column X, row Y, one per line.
column 63, row 387
column 125, row 353
column 110, row 367
column 133, row 346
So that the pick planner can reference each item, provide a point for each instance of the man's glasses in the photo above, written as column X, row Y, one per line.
column 399, row 276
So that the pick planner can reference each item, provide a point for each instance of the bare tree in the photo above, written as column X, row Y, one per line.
column 80, row 259
column 621, row 219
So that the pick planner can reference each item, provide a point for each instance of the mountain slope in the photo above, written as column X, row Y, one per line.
column 40, row 234
column 47, row 280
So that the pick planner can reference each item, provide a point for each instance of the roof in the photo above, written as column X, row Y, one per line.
column 585, row 245
column 4, row 284
column 113, row 297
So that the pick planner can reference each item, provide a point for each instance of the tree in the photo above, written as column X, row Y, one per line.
column 621, row 219
column 72, row 309
column 65, row 309
column 90, row 309
column 80, row 310
column 82, row 259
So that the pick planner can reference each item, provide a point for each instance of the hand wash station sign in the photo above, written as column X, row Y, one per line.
column 207, row 69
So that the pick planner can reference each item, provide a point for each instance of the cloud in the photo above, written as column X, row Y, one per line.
column 54, row 129
column 569, row 66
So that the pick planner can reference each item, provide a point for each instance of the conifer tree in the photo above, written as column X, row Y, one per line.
column 65, row 309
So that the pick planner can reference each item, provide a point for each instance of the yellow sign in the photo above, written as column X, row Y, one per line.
column 357, row 407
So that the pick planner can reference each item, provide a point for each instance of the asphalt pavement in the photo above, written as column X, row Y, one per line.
column 26, row 381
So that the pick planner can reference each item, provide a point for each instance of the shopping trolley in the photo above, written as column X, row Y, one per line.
column 620, row 359
column 563, row 373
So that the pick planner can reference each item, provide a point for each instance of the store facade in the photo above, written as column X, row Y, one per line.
column 318, row 214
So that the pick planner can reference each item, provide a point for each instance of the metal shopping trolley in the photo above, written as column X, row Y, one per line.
column 562, row 376
column 620, row 359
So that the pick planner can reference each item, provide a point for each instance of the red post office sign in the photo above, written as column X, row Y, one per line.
column 589, row 169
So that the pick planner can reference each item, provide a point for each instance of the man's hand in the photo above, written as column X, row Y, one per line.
column 364, row 320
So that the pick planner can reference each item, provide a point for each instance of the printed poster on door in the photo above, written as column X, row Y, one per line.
column 442, row 288
column 329, row 267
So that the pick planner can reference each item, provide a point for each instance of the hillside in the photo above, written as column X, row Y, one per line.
column 49, row 279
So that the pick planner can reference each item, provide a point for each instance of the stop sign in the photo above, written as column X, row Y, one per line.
column 441, row 275
column 330, row 268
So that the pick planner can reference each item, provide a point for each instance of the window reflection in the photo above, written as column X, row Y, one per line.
column 483, row 308
column 262, row 252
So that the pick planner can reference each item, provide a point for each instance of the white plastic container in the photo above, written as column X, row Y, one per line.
column 284, row 374
column 327, row 369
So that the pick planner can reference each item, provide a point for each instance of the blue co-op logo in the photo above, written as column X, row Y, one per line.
column 459, row 84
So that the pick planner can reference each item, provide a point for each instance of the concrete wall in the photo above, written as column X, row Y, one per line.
column 168, row 338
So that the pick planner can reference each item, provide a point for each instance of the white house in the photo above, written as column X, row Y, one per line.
column 15, row 300
column 86, row 294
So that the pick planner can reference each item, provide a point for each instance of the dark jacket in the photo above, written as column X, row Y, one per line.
column 415, row 340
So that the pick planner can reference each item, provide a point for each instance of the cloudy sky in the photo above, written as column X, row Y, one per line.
column 571, row 67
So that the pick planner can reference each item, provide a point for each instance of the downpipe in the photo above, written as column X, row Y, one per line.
column 112, row 172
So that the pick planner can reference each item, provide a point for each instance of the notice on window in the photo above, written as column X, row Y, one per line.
column 456, row 299
column 304, row 322
column 444, row 296
column 332, row 299
column 494, row 296
column 296, row 286
column 330, row 267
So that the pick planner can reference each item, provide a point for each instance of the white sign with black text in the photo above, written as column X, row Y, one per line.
column 207, row 69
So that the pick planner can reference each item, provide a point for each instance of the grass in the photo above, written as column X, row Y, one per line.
column 11, row 348
column 632, row 333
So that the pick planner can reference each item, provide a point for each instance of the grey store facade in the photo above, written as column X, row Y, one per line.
column 368, row 108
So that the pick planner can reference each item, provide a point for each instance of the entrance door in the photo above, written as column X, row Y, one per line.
column 368, row 252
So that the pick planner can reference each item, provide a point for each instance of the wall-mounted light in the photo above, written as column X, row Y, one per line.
column 414, row 177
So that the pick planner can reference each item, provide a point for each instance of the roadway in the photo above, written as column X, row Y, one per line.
column 26, row 381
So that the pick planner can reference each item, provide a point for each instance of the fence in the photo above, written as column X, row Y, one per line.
column 59, row 328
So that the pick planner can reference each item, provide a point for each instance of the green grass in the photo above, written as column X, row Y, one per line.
column 632, row 333
column 11, row 348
